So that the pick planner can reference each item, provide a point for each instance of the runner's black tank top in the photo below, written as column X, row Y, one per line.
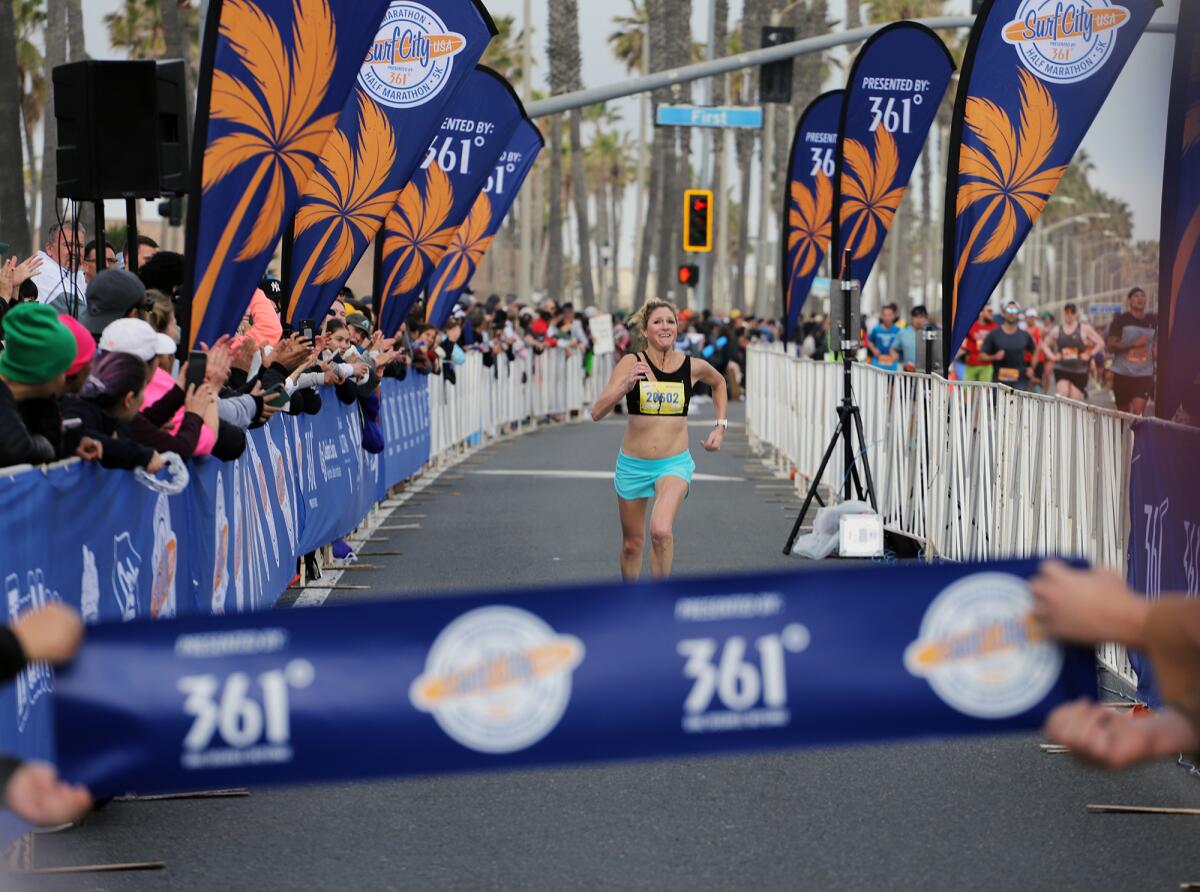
column 671, row 394
column 1071, row 348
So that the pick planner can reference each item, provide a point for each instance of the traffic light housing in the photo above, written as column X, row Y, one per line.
column 698, row 221
column 775, row 78
column 171, row 209
column 689, row 274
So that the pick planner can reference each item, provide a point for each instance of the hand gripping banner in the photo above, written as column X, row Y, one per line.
column 1179, row 266
column 274, row 76
column 475, row 236
column 557, row 676
column 418, row 230
column 421, row 55
column 808, row 205
column 1034, row 78
column 892, row 99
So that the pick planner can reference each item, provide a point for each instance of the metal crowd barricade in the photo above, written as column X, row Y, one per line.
column 971, row 471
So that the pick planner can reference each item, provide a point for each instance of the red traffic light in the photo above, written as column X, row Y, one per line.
column 689, row 275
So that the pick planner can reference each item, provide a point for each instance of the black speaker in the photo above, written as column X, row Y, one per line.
column 108, row 143
column 173, row 159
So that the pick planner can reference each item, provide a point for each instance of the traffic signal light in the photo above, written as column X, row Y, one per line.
column 775, row 78
column 172, row 210
column 689, row 275
column 698, row 221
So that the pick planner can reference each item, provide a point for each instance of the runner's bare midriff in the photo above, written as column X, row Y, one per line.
column 649, row 436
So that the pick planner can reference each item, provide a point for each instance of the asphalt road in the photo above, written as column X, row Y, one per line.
column 993, row 814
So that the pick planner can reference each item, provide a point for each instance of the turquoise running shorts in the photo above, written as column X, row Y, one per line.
column 636, row 477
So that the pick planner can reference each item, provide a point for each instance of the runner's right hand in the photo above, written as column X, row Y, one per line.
column 639, row 372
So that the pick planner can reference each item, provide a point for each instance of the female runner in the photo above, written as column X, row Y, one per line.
column 654, row 459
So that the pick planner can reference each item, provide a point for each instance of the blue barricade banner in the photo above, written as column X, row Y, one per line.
column 1179, row 263
column 475, row 236
column 563, row 675
column 1034, row 78
column 275, row 74
column 1164, row 516
column 892, row 99
column 422, row 54
column 119, row 552
column 808, row 205
column 476, row 130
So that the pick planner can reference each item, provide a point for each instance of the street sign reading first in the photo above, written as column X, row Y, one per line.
column 713, row 116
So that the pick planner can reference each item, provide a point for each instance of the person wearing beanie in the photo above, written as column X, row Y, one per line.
column 38, row 350
column 85, row 354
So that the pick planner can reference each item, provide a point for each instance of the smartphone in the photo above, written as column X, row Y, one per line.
column 4, row 248
column 277, row 397
column 287, row 330
column 308, row 330
column 197, row 369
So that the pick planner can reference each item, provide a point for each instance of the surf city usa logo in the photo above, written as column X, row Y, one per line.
column 412, row 57
column 980, row 650
column 1065, row 42
column 498, row 679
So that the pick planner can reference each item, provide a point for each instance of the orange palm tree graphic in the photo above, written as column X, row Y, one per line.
column 466, row 251
column 869, row 194
column 809, row 227
column 345, row 196
column 1008, row 171
column 1190, row 238
column 416, row 229
column 276, row 120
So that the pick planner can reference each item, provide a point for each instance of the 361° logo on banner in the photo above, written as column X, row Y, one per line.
column 498, row 679
column 980, row 651
column 1065, row 43
column 411, row 58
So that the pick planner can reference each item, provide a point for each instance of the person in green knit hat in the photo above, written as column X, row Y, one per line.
column 38, row 350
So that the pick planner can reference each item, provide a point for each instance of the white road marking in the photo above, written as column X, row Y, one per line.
column 596, row 475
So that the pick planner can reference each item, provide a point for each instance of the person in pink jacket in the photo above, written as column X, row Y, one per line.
column 162, row 318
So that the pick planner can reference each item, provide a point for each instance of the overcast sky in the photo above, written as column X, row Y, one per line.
column 1126, row 142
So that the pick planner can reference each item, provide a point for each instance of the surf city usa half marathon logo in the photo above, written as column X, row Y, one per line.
column 412, row 57
column 498, row 679
column 980, row 650
column 1065, row 42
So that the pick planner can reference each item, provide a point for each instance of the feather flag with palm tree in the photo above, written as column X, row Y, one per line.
column 1179, row 267
column 473, row 239
column 808, row 204
column 274, row 76
column 1034, row 78
column 891, row 102
column 462, row 155
column 379, row 142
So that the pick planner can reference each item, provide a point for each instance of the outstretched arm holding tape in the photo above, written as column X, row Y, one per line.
column 32, row 790
column 1091, row 607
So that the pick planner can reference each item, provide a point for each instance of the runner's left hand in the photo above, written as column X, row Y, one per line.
column 713, row 442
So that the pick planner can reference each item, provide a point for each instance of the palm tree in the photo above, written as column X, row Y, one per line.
column 56, row 54
column 753, row 18
column 628, row 41
column 564, row 56
column 30, row 17
column 504, row 53
column 76, row 42
column 12, row 186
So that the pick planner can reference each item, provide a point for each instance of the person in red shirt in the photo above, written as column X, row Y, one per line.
column 978, row 369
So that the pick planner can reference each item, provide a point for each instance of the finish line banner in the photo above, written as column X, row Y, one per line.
column 561, row 676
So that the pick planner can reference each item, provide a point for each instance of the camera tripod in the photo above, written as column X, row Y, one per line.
column 849, row 426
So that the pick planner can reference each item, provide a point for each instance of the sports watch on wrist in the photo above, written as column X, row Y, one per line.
column 722, row 422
